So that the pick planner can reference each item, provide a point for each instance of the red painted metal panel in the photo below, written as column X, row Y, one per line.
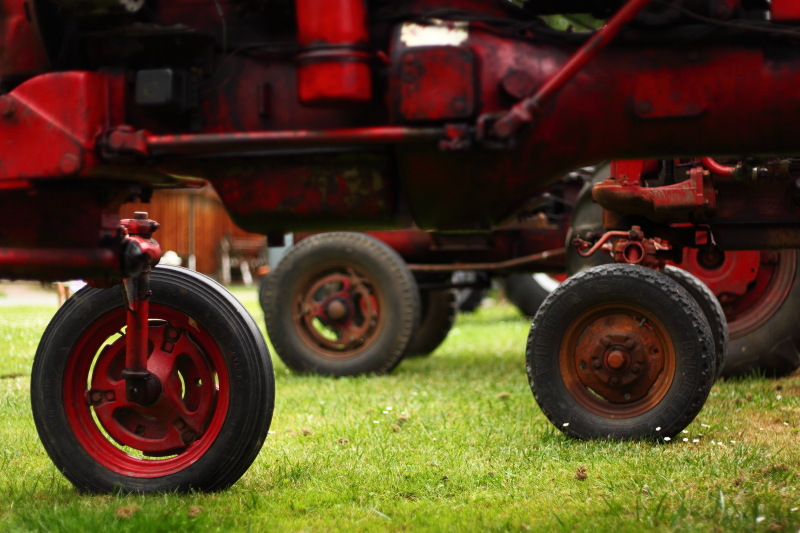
column 333, row 67
column 22, row 50
column 785, row 10
column 437, row 84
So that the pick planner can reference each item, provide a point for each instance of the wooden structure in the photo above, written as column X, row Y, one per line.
column 194, row 222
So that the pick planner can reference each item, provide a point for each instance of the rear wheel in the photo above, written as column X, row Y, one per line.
column 341, row 304
column 760, row 295
column 612, row 354
column 439, row 310
column 207, row 425
column 527, row 291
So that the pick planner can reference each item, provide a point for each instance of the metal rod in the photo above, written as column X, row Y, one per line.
column 136, row 333
column 717, row 168
column 522, row 112
column 501, row 265
column 163, row 145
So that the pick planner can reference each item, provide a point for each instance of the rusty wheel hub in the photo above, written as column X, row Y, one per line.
column 338, row 312
column 617, row 360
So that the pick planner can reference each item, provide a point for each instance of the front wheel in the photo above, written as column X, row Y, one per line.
column 211, row 418
column 621, row 352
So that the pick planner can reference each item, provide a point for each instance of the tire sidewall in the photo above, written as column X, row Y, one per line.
column 711, row 308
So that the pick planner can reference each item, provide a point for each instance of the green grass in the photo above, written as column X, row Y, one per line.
column 451, row 442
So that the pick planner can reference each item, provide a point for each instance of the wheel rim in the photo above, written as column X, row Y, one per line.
column 338, row 312
column 617, row 360
column 163, row 438
column 751, row 286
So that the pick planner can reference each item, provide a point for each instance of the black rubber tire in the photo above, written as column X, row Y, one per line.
column 774, row 348
column 251, row 389
column 262, row 293
column 388, row 278
column 439, row 310
column 470, row 298
column 525, row 292
column 711, row 307
column 612, row 287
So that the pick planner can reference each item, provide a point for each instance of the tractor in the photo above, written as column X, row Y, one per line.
column 321, row 115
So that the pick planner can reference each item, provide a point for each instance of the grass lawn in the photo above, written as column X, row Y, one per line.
column 451, row 442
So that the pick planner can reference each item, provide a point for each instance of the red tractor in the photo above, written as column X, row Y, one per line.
column 312, row 115
column 340, row 304
column 345, row 304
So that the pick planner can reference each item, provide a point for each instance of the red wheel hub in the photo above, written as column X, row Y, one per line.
column 338, row 312
column 750, row 285
column 175, row 430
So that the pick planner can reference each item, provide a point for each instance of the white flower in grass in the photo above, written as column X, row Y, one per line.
column 705, row 425
column 658, row 428
column 667, row 439
column 685, row 431
column 760, row 519
column 695, row 441
column 793, row 509
column 386, row 412
column 778, row 397
column 376, row 421
column 388, row 407
column 565, row 424
column 685, row 439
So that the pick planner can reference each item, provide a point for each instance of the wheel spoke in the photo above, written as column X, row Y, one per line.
column 180, row 415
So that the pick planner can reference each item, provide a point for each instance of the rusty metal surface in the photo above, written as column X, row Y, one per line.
column 530, row 262
column 169, row 97
column 617, row 360
column 338, row 312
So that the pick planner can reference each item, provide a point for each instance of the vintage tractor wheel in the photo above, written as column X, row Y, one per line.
column 439, row 309
column 341, row 304
column 214, row 411
column 621, row 352
column 528, row 291
column 711, row 309
column 762, row 318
